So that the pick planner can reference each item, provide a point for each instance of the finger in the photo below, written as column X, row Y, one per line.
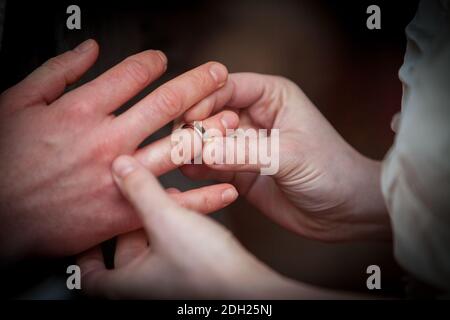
column 116, row 86
column 206, row 199
column 91, row 260
column 129, row 246
column 169, row 101
column 250, row 153
column 93, row 272
column 203, row 172
column 248, row 90
column 172, row 190
column 208, row 105
column 159, row 157
column 242, row 181
column 47, row 83
column 152, row 204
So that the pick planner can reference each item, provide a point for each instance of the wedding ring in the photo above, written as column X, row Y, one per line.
column 197, row 127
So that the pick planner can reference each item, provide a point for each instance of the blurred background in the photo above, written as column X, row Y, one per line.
column 348, row 71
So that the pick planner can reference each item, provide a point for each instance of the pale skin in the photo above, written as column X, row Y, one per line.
column 57, row 194
column 324, row 189
column 59, row 197
column 182, row 254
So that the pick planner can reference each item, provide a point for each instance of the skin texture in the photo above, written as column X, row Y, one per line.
column 324, row 189
column 180, row 254
column 59, row 197
column 57, row 194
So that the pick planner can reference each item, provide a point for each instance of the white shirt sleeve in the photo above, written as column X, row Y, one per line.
column 416, row 171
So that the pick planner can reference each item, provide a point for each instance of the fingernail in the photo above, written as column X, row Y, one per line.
column 218, row 72
column 162, row 56
column 122, row 166
column 85, row 46
column 229, row 195
column 227, row 120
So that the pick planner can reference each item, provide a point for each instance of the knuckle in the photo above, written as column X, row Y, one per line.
column 277, row 90
column 283, row 81
column 169, row 102
column 137, row 71
column 80, row 109
column 208, row 203
column 156, row 59
column 58, row 65
column 202, row 79
column 55, row 64
column 103, row 152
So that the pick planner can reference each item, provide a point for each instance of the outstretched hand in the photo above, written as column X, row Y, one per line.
column 57, row 195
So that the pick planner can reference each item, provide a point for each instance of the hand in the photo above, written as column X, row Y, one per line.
column 324, row 189
column 180, row 254
column 57, row 195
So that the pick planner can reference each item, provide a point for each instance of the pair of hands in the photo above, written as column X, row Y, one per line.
column 57, row 152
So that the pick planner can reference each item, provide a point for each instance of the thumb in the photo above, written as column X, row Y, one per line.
column 144, row 192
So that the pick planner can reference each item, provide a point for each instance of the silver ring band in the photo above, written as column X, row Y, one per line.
column 196, row 126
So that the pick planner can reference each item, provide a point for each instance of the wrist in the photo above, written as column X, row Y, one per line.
column 271, row 285
column 367, row 214
column 255, row 280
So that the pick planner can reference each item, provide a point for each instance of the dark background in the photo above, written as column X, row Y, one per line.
column 348, row 71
